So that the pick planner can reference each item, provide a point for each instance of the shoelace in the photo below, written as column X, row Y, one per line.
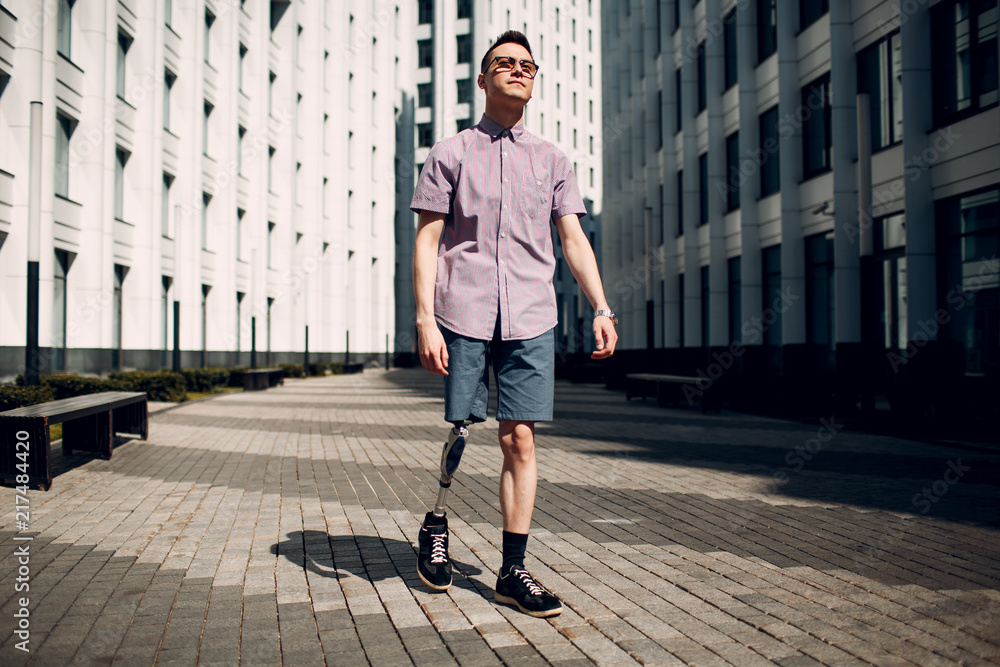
column 526, row 579
column 439, row 551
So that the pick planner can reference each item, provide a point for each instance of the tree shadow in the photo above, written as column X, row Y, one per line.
column 364, row 556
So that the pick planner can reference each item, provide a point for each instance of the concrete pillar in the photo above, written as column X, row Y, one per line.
column 689, row 103
column 750, row 279
column 671, row 303
column 843, row 81
column 718, row 274
column 793, row 320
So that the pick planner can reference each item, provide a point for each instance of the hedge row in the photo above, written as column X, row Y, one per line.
column 158, row 385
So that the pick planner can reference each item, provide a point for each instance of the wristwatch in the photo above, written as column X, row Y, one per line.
column 608, row 314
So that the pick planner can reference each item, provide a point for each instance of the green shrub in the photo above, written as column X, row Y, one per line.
column 319, row 368
column 336, row 368
column 12, row 396
column 293, row 370
column 159, row 386
column 203, row 380
column 67, row 386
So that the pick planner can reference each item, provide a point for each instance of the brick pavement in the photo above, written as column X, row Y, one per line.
column 279, row 527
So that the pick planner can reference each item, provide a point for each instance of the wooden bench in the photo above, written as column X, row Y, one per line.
column 90, row 423
column 638, row 385
column 258, row 379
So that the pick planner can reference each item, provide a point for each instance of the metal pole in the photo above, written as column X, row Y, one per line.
column 387, row 352
column 253, row 342
column 34, row 242
column 177, row 337
column 347, row 349
column 306, row 360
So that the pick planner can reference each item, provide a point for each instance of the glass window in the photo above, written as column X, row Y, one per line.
column 164, row 317
column 463, row 124
column 706, row 311
column 206, row 199
column 464, row 9
column 206, row 128
column 425, row 134
column 209, row 20
column 731, row 55
column 270, row 245
column 702, row 83
column 816, row 133
column 811, row 10
column 770, row 176
column 464, row 48
column 121, row 157
column 679, row 112
column 120, row 71
column 168, row 11
column 703, row 188
column 880, row 75
column 425, row 11
column 425, row 53
column 964, row 43
column 969, row 288
column 680, row 202
column 735, row 269
column 733, row 175
column 168, row 84
column 64, row 130
column 425, row 94
column 819, row 289
column 59, row 270
column 659, row 120
column 771, row 282
column 64, row 27
column 767, row 29
column 464, row 91
column 168, row 180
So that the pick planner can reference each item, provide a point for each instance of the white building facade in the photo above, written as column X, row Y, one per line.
column 801, row 233
column 450, row 39
column 233, row 157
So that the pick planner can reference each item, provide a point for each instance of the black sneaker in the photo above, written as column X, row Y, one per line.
column 519, row 589
column 433, row 562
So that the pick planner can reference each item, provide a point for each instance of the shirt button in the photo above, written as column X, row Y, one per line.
column 506, row 180
column 538, row 182
column 505, row 153
column 503, row 235
column 505, row 206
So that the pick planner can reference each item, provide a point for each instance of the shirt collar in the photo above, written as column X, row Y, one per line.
column 494, row 129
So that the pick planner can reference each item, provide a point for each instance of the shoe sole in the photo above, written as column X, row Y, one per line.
column 440, row 589
column 503, row 599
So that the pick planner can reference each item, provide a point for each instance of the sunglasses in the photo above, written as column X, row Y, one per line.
column 507, row 63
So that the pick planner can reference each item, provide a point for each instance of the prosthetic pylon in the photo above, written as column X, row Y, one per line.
column 450, row 458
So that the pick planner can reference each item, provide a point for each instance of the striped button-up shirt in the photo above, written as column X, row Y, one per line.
column 499, row 190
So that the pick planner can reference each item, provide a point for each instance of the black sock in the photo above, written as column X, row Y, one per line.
column 514, row 545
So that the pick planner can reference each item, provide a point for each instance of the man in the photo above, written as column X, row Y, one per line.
column 483, row 268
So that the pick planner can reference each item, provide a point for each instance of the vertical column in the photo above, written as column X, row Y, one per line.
column 793, row 320
column 718, row 274
column 750, row 279
column 671, row 303
column 846, row 271
column 689, row 105
column 918, row 197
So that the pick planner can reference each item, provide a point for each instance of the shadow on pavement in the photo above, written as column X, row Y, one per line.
column 364, row 556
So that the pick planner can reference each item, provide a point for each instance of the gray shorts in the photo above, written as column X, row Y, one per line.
column 524, row 371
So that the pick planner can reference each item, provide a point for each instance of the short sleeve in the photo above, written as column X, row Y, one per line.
column 437, row 181
column 566, row 197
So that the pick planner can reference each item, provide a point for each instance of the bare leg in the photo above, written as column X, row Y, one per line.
column 519, row 475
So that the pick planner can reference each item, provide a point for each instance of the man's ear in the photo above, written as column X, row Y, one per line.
column 481, row 81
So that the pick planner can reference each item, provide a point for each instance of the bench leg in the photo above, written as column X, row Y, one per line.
column 132, row 418
column 89, row 434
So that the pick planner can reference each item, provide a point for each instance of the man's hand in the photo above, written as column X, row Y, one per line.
column 605, row 337
column 433, row 350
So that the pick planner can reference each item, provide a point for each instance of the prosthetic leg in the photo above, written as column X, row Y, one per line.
column 433, row 561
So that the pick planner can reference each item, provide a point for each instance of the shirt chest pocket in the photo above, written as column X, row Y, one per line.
column 536, row 195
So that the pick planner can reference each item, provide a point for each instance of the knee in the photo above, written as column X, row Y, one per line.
column 518, row 441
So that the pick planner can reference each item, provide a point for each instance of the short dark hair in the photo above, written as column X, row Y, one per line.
column 511, row 36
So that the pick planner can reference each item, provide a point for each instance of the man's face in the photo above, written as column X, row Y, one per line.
column 512, row 83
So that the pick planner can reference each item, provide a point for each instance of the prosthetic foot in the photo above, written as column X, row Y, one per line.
column 433, row 560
